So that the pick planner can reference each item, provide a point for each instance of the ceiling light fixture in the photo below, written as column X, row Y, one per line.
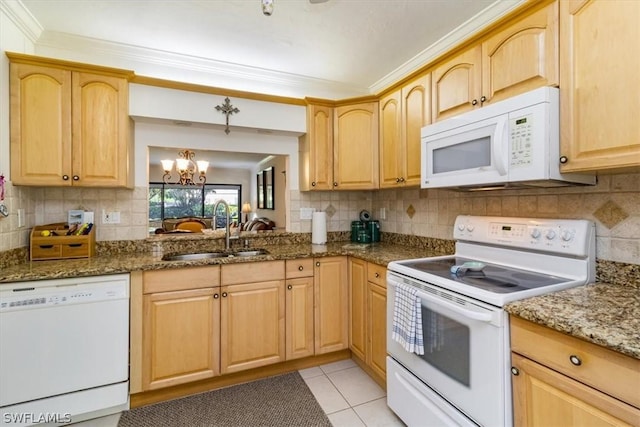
column 267, row 7
column 186, row 168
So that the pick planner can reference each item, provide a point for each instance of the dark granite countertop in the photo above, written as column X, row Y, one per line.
column 605, row 314
column 378, row 253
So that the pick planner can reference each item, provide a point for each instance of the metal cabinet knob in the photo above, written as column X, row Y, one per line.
column 397, row 179
column 216, row 296
column 289, row 287
column 377, row 275
column 483, row 98
column 474, row 102
column 313, row 184
column 65, row 177
column 515, row 371
column 300, row 268
column 318, row 264
column 76, row 177
column 335, row 184
column 224, row 295
column 401, row 179
column 564, row 159
column 575, row 360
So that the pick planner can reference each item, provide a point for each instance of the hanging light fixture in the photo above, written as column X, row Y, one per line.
column 267, row 7
column 186, row 168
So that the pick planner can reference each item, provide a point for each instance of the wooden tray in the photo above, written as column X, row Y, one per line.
column 60, row 246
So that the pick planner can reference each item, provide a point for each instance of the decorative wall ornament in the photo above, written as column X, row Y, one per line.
column 227, row 109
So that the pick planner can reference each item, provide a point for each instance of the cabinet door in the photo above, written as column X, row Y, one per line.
column 377, row 328
column 543, row 397
column 252, row 325
column 181, row 337
column 355, row 151
column 600, row 81
column 391, row 150
column 299, row 318
column 40, row 125
column 101, row 152
column 357, row 313
column 522, row 56
column 456, row 85
column 416, row 113
column 331, row 304
column 317, row 151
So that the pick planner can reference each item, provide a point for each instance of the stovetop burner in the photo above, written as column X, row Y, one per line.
column 492, row 278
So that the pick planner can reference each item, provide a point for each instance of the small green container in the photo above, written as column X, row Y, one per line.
column 356, row 228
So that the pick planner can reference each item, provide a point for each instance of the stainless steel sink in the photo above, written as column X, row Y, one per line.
column 252, row 252
column 196, row 256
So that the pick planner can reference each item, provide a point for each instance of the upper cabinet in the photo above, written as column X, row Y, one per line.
column 515, row 58
column 402, row 115
column 355, row 147
column 335, row 137
column 600, row 82
column 69, row 124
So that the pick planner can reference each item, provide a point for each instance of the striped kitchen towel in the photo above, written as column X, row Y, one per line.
column 407, row 319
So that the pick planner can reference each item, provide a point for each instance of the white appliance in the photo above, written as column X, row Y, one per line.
column 512, row 143
column 463, row 377
column 64, row 352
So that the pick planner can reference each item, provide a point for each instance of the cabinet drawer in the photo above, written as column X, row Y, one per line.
column 298, row 268
column 251, row 272
column 606, row 370
column 180, row 279
column 75, row 250
column 377, row 274
column 46, row 251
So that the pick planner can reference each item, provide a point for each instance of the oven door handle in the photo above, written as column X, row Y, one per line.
column 481, row 317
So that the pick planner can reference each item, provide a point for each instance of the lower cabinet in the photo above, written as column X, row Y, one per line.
column 299, row 327
column 180, row 327
column 252, row 325
column 331, row 313
column 559, row 380
column 368, row 314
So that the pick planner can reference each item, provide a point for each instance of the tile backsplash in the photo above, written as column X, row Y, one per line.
column 614, row 205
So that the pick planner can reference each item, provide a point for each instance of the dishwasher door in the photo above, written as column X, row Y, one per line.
column 61, row 336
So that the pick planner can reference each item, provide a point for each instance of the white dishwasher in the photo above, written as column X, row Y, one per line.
column 64, row 349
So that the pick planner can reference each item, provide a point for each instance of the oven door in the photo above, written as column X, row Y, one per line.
column 466, row 352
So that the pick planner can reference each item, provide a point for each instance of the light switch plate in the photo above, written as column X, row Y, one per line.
column 20, row 218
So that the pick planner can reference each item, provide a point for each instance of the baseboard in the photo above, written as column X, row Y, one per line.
column 182, row 390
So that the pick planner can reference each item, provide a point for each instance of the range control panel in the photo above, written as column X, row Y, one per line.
column 567, row 236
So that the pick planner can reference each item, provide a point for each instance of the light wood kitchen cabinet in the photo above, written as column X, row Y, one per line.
column 331, row 312
column 316, row 149
column 368, row 314
column 355, row 146
column 515, row 58
column 402, row 115
column 299, row 309
column 600, row 81
column 561, row 380
column 180, row 326
column 69, row 123
column 252, row 315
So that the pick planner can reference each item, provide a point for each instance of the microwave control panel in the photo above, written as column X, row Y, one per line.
column 521, row 135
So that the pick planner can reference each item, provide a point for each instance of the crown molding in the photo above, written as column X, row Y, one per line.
column 22, row 18
column 468, row 29
column 211, row 71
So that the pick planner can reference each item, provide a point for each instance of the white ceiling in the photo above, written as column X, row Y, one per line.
column 357, row 46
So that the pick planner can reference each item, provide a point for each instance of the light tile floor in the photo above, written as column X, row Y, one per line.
column 348, row 396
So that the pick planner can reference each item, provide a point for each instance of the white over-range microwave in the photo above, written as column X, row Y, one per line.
column 509, row 144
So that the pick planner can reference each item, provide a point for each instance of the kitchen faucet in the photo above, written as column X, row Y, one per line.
column 227, row 237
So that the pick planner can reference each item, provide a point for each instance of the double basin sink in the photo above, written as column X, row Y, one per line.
column 208, row 255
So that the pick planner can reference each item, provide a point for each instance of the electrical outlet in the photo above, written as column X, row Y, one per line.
column 110, row 217
column 306, row 213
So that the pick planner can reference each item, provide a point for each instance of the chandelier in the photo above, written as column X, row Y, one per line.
column 186, row 168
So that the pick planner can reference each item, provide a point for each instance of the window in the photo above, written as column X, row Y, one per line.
column 175, row 201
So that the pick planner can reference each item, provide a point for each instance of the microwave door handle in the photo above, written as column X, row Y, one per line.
column 499, row 160
column 482, row 317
